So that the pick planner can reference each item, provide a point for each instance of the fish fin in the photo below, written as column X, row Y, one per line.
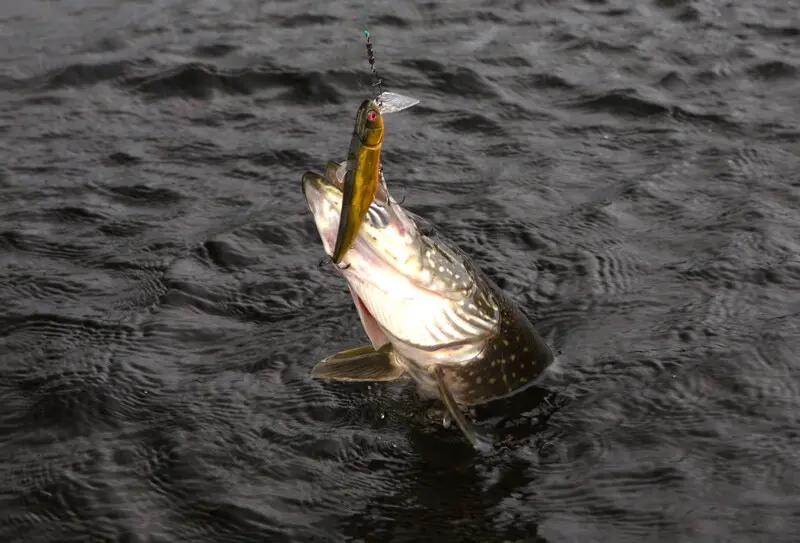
column 362, row 363
column 334, row 171
column 478, row 441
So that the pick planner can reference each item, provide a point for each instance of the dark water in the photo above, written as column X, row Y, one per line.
column 628, row 171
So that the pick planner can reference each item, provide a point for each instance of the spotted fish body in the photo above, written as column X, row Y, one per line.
column 505, row 354
column 428, row 311
column 511, row 360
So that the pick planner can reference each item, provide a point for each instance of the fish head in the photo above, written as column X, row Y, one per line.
column 386, row 235
column 369, row 124
column 411, row 288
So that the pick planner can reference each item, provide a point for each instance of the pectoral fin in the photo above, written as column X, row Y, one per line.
column 362, row 363
column 479, row 442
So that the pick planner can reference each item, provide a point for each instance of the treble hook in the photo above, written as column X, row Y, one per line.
column 404, row 197
column 382, row 188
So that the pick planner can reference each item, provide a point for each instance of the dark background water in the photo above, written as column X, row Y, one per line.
column 628, row 171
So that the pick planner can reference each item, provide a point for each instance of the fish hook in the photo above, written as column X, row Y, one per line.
column 387, row 201
column 403, row 198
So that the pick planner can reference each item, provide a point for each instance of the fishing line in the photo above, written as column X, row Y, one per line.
column 377, row 83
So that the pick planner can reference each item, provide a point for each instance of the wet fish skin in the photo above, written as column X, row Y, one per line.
column 428, row 311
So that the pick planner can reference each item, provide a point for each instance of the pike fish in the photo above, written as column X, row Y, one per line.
column 428, row 311
column 361, row 179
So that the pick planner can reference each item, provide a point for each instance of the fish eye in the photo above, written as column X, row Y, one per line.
column 372, row 115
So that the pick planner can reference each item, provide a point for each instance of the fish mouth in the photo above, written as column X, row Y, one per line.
column 318, row 182
column 324, row 198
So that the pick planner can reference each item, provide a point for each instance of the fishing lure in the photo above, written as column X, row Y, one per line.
column 363, row 179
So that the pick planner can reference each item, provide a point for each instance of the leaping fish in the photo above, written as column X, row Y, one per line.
column 428, row 311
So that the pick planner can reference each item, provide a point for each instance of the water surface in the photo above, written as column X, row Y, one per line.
column 626, row 171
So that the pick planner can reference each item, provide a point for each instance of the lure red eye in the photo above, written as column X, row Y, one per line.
column 372, row 115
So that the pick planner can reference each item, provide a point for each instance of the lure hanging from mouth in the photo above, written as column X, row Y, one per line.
column 362, row 176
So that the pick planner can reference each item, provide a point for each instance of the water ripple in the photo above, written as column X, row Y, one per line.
column 627, row 173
